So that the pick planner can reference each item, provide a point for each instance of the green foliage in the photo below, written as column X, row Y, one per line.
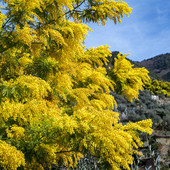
column 41, row 67
column 150, row 158
column 145, row 108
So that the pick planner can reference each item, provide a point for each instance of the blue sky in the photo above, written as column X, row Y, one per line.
column 145, row 34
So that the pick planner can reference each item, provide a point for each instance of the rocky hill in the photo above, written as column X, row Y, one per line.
column 159, row 65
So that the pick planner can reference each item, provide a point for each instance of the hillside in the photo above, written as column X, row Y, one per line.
column 159, row 65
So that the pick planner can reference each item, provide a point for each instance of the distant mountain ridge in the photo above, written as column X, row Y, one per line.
column 158, row 66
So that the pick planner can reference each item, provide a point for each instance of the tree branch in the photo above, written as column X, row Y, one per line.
column 10, row 46
column 75, row 8
column 6, row 23
column 65, row 151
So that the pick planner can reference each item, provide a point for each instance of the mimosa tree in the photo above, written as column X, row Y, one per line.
column 55, row 102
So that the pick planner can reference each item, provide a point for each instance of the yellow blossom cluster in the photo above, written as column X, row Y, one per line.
column 24, row 35
column 113, row 9
column 158, row 87
column 10, row 157
column 129, row 80
column 15, row 132
column 2, row 18
column 25, row 60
